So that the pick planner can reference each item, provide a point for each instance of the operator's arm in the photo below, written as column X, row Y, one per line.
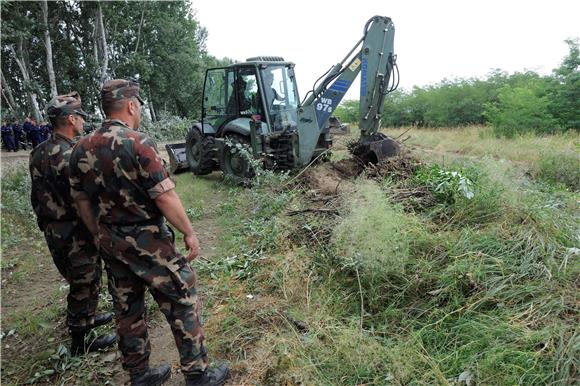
column 170, row 206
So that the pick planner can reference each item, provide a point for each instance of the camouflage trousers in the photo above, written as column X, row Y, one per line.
column 141, row 257
column 78, row 261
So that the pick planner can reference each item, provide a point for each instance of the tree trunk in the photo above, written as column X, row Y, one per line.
column 48, row 46
column 152, row 111
column 103, row 42
column 97, row 66
column 26, row 76
column 7, row 94
column 139, row 32
column 95, row 44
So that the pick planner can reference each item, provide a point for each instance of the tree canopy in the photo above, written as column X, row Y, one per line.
column 159, row 43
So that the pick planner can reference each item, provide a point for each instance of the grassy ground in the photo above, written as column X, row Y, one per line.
column 459, row 272
column 480, row 141
column 554, row 158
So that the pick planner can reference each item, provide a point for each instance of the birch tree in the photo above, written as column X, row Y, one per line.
column 32, row 97
column 48, row 47
column 7, row 94
column 102, row 40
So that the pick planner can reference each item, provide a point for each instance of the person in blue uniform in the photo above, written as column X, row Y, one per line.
column 35, row 135
column 8, row 137
column 19, row 137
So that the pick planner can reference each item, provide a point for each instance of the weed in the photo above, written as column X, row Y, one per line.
column 560, row 168
column 447, row 186
column 240, row 266
column 260, row 175
column 18, row 220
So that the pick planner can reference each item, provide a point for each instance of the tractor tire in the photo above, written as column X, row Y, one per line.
column 234, row 160
column 201, row 152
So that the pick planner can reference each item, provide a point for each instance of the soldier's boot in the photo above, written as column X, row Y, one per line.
column 210, row 377
column 155, row 376
column 79, row 346
column 103, row 318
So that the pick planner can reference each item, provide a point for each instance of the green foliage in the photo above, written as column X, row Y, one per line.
column 262, row 177
column 241, row 266
column 160, row 43
column 18, row 220
column 348, row 111
column 521, row 109
column 167, row 127
column 475, row 300
column 565, row 89
column 448, row 186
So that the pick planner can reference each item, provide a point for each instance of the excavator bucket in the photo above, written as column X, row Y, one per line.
column 177, row 157
column 375, row 149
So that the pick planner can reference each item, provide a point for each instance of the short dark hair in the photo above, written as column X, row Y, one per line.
column 114, row 106
column 58, row 122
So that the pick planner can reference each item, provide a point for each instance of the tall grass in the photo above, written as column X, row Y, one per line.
column 480, row 141
column 560, row 167
column 18, row 224
column 486, row 290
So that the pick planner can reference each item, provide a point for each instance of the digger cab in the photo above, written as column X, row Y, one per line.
column 262, row 88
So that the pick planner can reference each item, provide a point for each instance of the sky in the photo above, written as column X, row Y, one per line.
column 434, row 40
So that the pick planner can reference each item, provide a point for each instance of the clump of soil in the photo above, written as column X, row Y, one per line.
column 327, row 178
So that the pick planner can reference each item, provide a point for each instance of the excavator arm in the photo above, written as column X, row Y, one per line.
column 373, row 57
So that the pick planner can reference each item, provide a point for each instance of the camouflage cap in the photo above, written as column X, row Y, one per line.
column 62, row 105
column 118, row 89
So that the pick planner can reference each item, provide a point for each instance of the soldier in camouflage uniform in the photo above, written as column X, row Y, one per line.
column 70, row 244
column 123, row 191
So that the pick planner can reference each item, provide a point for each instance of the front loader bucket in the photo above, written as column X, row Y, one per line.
column 177, row 158
column 375, row 149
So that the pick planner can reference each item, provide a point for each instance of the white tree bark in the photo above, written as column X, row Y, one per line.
column 26, row 76
column 103, row 43
column 48, row 46
column 152, row 111
column 7, row 94
column 139, row 32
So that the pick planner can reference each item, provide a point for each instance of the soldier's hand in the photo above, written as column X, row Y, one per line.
column 192, row 245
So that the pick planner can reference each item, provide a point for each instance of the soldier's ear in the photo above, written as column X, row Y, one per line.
column 132, row 105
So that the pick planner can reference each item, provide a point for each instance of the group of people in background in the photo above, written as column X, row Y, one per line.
column 28, row 135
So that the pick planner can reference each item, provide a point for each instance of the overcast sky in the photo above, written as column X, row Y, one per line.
column 433, row 40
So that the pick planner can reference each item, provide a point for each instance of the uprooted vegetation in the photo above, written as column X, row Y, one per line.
column 403, row 273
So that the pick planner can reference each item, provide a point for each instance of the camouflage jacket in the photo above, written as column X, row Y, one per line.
column 121, row 172
column 50, row 195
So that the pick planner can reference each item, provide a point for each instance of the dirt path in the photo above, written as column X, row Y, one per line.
column 11, row 160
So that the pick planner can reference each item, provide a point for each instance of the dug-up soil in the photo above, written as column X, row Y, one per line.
column 330, row 177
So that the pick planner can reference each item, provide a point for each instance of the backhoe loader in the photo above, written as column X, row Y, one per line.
column 255, row 106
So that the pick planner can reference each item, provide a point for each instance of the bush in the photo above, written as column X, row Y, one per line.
column 521, row 109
